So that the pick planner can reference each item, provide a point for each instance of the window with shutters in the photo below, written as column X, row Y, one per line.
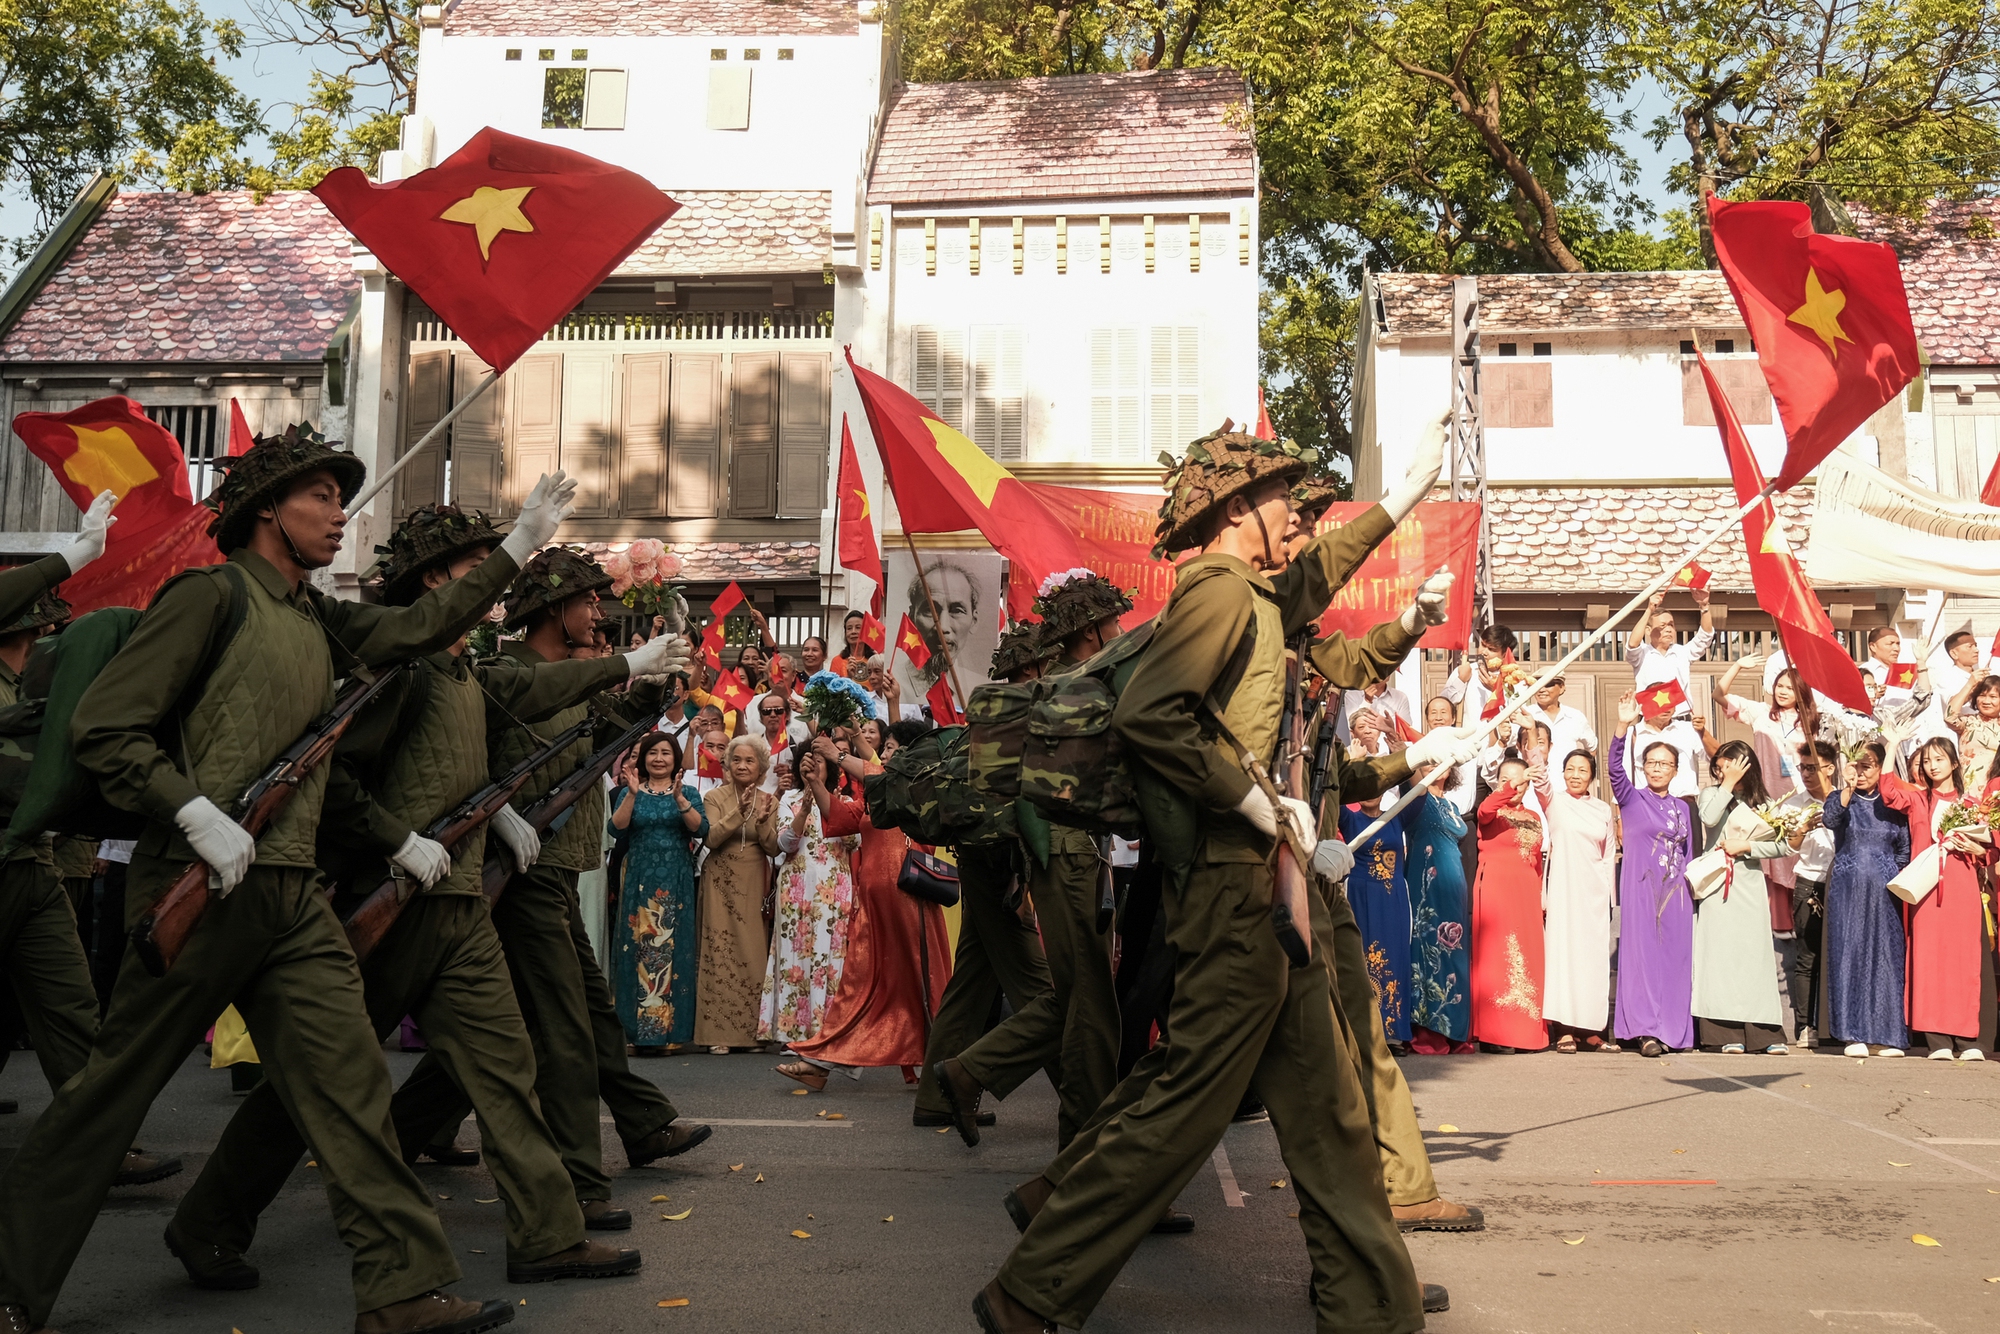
column 1174, row 387
column 937, row 372
column 1742, row 381
column 805, row 417
column 728, row 97
column 604, row 100
column 1116, row 429
column 1518, row 394
column 476, row 470
column 996, row 391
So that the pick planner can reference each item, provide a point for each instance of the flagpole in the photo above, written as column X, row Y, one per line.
column 388, row 475
column 1527, row 696
column 937, row 622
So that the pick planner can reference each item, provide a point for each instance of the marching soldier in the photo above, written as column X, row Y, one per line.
column 418, row 753
column 579, row 1044
column 999, row 948
column 238, row 659
column 1213, row 671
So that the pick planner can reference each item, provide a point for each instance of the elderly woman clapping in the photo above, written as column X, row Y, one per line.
column 742, row 839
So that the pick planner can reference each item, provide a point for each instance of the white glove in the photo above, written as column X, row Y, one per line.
column 1258, row 810
column 1333, row 859
column 89, row 544
column 423, row 858
column 662, row 655
column 519, row 836
column 1429, row 608
column 541, row 514
column 1449, row 746
column 1425, row 466
column 218, row 840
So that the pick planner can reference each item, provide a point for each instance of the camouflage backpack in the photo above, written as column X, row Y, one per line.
column 924, row 791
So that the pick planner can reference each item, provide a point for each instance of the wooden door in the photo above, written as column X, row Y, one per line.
column 643, row 440
column 425, row 401
column 534, row 417
column 590, row 429
column 478, row 440
column 753, row 434
column 694, row 430
column 805, row 420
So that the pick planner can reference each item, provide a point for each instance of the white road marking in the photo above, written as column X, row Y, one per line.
column 1232, row 1194
column 1959, row 1141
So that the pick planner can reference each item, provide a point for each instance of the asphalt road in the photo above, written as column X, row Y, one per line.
column 1823, row 1168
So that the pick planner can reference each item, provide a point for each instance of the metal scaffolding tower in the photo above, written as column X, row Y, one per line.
column 1468, row 435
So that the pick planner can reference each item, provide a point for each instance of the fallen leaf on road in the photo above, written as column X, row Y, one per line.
column 802, row 1236
column 736, row 1167
column 821, row 1113
column 658, row 1199
column 524, row 1301
column 1293, row 1214
column 477, row 1251
column 809, row 1218
column 800, row 1093
column 679, row 1217
column 1447, row 1130
column 1805, row 1086
column 1993, row 1280
column 1277, row 1185
column 312, row 1162
column 1922, row 1240
column 444, row 1197
column 1680, row 1150
column 673, row 1301
column 1894, row 1163
column 890, row 1218
column 944, row 1130
column 842, row 1116
column 1577, row 1242
column 759, row 1181
column 494, row 1200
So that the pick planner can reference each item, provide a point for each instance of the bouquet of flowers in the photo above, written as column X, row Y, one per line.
column 834, row 701
column 640, row 578
column 1784, row 819
column 1513, row 682
column 1976, row 816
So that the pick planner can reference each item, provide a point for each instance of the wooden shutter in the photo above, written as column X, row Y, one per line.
column 589, row 429
column 1174, row 387
column 996, row 391
column 1519, row 394
column 1967, row 443
column 753, row 434
column 694, row 446
column 805, row 420
column 426, row 399
column 534, row 412
column 1742, row 382
column 937, row 373
column 1114, row 394
column 643, row 441
column 478, row 440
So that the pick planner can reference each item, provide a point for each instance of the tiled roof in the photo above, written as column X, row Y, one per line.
column 739, row 231
column 163, row 276
column 651, row 18
column 1164, row 132
column 1587, row 539
column 1420, row 303
column 1951, row 271
column 747, row 562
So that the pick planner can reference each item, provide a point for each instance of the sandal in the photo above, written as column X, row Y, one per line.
column 1566, row 1044
column 805, row 1072
column 1652, row 1047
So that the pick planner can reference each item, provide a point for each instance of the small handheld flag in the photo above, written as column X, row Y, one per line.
column 1901, row 676
column 1661, row 700
column 910, row 643
column 1693, row 575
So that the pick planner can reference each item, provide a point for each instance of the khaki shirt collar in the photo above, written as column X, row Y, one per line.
column 267, row 574
column 1235, row 566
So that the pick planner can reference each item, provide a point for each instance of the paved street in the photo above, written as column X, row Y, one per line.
column 1823, row 1169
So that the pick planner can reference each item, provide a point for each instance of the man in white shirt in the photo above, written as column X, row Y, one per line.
column 1948, row 673
column 1655, row 656
column 1885, row 648
column 1568, row 729
column 1384, row 699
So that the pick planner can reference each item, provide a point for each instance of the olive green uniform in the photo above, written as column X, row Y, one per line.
column 40, row 951
column 1240, row 1014
column 272, row 946
column 563, row 995
column 999, row 952
column 419, row 752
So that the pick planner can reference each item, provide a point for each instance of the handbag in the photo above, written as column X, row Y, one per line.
column 1914, row 882
column 1708, row 873
column 928, row 878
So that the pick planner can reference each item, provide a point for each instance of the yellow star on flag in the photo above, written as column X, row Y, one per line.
column 107, row 460
column 912, row 640
column 968, row 460
column 1821, row 313
column 1686, row 576
column 1662, row 697
column 862, row 495
column 491, row 211
column 1776, row 541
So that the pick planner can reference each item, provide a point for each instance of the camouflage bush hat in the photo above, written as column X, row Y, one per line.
column 1221, row 464
column 433, row 535
column 550, row 578
column 1020, row 646
column 261, row 474
column 48, row 609
column 1072, row 601
column 1311, row 498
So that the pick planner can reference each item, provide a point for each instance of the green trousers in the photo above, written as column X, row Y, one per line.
column 1076, row 1020
column 1240, row 1018
column 579, row 1043
column 274, row 948
column 1406, row 1164
column 42, row 956
column 442, row 963
column 998, row 953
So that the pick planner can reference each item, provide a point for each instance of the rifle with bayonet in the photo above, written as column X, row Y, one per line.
column 1291, row 910
column 552, row 811
column 378, row 912
column 163, row 932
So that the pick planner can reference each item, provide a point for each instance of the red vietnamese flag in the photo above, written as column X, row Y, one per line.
column 910, row 643
column 943, row 483
column 855, row 540
column 1900, row 676
column 1830, row 320
column 1265, row 431
column 1781, row 587
column 504, row 237
column 711, row 646
column 730, row 599
column 944, row 712
column 1662, row 698
column 112, row 445
column 240, row 437
column 1693, row 575
column 873, row 633
column 729, row 688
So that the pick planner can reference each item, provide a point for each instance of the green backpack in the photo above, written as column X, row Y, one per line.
column 923, row 790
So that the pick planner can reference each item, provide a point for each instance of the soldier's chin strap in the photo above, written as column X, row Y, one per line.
column 1270, row 561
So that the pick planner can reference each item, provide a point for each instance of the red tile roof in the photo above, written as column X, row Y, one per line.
column 651, row 18
column 1086, row 136
column 747, row 562
column 739, row 231
column 163, row 276
column 1951, row 271
column 1587, row 539
column 1420, row 303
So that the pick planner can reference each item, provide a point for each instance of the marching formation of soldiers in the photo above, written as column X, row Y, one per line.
column 309, row 784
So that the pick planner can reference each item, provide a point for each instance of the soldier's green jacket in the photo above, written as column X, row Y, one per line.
column 19, row 587
column 113, row 731
column 403, row 792
column 1160, row 714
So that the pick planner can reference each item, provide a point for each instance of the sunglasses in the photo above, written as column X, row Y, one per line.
column 772, row 713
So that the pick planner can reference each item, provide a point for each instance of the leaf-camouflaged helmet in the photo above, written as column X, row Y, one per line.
column 1073, row 601
column 262, row 474
column 1021, row 646
column 1221, row 464
column 433, row 536
column 551, row 577
column 48, row 609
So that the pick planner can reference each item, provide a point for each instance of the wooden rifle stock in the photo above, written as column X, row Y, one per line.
column 552, row 810
column 378, row 912
column 163, row 932
column 1291, row 909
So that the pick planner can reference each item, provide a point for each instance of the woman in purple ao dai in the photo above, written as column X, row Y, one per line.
column 1655, row 914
